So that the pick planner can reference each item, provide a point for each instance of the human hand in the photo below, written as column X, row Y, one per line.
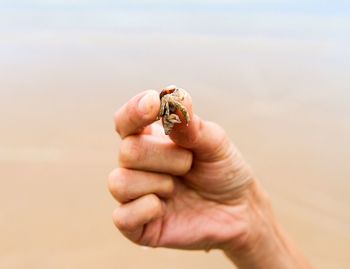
column 189, row 190
column 179, row 191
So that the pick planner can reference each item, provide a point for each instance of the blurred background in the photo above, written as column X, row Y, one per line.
column 273, row 73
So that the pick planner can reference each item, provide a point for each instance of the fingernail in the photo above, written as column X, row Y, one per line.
column 147, row 102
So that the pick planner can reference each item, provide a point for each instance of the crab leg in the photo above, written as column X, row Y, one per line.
column 184, row 112
column 161, row 111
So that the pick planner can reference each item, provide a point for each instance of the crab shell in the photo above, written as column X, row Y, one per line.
column 165, row 92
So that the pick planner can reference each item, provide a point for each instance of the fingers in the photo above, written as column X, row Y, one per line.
column 126, row 185
column 149, row 153
column 201, row 137
column 207, row 140
column 131, row 217
column 138, row 113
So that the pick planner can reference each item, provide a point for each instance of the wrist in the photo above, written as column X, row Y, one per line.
column 265, row 244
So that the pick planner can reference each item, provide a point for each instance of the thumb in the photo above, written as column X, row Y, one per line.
column 205, row 139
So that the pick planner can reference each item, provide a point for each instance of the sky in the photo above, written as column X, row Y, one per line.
column 31, row 24
column 268, row 18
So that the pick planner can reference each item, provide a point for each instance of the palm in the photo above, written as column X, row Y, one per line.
column 199, row 209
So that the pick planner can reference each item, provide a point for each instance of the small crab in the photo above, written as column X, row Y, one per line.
column 170, row 102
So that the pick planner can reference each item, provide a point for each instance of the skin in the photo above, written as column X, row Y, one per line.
column 192, row 190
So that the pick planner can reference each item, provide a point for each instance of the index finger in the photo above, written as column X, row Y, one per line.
column 137, row 113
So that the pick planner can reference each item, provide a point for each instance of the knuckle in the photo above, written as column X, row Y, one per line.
column 130, row 151
column 155, row 205
column 117, row 183
column 168, row 185
column 120, row 222
column 186, row 162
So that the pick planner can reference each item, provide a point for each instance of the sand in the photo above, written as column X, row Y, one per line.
column 285, row 103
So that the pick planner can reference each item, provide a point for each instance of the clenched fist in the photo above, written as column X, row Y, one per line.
column 191, row 189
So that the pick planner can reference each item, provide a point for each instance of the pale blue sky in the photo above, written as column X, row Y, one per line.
column 325, row 20
column 25, row 24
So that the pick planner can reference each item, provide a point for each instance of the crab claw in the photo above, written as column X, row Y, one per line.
column 169, row 122
column 173, row 118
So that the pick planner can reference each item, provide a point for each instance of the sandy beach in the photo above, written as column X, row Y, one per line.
column 284, row 101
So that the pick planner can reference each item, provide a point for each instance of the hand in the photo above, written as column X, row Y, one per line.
column 186, row 191
column 191, row 190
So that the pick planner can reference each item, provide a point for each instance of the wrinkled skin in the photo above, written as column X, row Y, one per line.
column 188, row 187
column 192, row 189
